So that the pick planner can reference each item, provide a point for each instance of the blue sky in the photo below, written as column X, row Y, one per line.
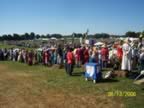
column 68, row 16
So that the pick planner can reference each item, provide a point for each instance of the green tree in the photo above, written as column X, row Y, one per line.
column 48, row 36
column 32, row 36
column 37, row 36
column 9, row 37
column 16, row 36
column 4, row 37
column 56, row 35
column 26, row 36
column 131, row 34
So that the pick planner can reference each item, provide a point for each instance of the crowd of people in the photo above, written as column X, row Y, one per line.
column 124, row 55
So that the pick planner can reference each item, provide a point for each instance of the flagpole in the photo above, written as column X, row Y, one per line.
column 85, row 35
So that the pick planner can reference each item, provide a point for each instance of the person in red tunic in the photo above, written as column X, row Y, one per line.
column 119, row 51
column 70, row 62
column 86, row 55
column 104, row 55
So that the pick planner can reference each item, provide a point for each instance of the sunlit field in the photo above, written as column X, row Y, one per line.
column 23, row 86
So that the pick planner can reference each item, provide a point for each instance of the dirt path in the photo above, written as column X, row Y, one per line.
column 23, row 91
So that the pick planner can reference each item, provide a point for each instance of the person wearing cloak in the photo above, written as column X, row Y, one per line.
column 127, row 56
column 86, row 55
column 30, row 58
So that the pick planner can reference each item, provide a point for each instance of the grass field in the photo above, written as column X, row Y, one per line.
column 6, row 46
column 13, row 46
column 23, row 86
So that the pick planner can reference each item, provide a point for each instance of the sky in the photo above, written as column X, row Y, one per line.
column 68, row 16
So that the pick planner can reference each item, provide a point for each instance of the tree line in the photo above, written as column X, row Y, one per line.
column 27, row 36
column 32, row 35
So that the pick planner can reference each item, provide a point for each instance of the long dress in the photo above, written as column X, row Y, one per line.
column 19, row 56
column 30, row 58
column 126, row 58
column 46, row 58
column 39, row 57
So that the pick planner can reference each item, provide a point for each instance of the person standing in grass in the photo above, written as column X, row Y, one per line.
column 104, row 55
column 86, row 55
column 141, row 59
column 35, row 60
column 70, row 61
column 11, row 54
column 134, row 47
column 30, row 58
column 77, row 56
column 54, row 57
column 5, row 54
column 127, row 56
column 27, row 54
column 39, row 57
column 93, row 56
column 59, row 55
column 82, row 55
column 1, row 55
column 46, row 58
column 119, row 53
column 65, row 58
column 43, row 57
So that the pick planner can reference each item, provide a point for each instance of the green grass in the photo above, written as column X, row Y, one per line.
column 6, row 46
column 13, row 46
column 57, row 79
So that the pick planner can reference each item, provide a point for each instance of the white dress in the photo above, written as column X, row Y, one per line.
column 19, row 56
column 127, row 56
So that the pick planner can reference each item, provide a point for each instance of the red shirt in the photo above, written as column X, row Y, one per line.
column 70, row 57
column 86, row 56
column 104, row 53
column 119, row 52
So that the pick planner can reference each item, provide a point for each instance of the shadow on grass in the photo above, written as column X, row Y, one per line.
column 78, row 74
column 134, row 75
column 108, row 81
column 106, row 69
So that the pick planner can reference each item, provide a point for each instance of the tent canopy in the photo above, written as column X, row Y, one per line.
column 99, row 43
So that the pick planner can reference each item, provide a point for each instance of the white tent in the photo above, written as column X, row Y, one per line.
column 98, row 43
column 122, row 38
column 133, row 39
column 53, row 38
